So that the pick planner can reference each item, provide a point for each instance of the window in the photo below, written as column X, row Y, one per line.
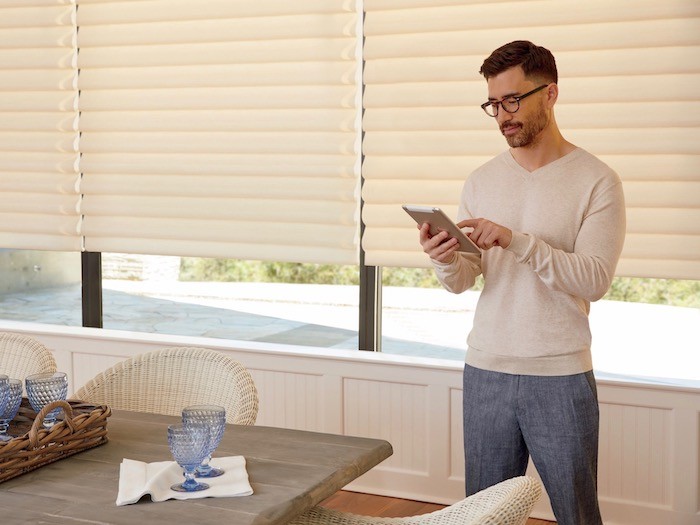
column 40, row 287
column 647, row 329
column 283, row 303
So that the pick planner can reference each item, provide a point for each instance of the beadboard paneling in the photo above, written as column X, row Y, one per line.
column 456, row 438
column 392, row 411
column 635, row 453
column 291, row 400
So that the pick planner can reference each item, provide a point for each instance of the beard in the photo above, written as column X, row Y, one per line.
column 528, row 130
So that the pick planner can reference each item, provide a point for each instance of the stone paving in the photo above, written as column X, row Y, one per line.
column 226, row 316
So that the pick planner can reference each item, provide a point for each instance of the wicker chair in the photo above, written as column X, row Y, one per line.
column 167, row 380
column 507, row 503
column 22, row 356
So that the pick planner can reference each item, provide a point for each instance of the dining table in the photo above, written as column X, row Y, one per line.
column 289, row 471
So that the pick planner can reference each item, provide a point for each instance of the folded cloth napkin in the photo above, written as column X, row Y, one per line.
column 137, row 478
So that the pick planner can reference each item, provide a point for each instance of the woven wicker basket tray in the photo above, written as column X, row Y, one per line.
column 32, row 446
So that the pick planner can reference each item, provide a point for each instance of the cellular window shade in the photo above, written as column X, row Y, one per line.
column 39, row 198
column 220, row 128
column 628, row 93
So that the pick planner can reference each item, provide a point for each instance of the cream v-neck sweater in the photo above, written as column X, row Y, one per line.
column 568, row 223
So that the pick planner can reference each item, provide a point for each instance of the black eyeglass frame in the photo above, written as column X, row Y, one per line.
column 518, row 98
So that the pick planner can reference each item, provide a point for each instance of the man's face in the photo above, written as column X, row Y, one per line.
column 522, row 128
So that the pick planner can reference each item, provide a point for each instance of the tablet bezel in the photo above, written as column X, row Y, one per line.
column 439, row 221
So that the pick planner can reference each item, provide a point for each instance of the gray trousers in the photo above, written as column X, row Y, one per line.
column 553, row 419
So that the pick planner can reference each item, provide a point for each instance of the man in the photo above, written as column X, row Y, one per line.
column 549, row 218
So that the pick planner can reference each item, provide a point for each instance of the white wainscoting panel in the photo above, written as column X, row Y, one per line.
column 456, row 436
column 649, row 454
column 87, row 366
column 635, row 453
column 396, row 412
column 649, row 468
column 290, row 400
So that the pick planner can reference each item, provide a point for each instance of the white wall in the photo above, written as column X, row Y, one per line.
column 649, row 444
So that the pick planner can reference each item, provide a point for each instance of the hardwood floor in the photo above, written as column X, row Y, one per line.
column 371, row 505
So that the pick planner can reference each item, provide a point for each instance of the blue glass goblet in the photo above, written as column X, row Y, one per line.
column 214, row 417
column 42, row 389
column 13, row 401
column 4, row 392
column 188, row 444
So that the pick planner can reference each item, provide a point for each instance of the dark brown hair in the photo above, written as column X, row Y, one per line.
column 536, row 61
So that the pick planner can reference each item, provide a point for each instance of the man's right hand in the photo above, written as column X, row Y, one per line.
column 440, row 247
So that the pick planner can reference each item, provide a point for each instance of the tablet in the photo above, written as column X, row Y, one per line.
column 438, row 222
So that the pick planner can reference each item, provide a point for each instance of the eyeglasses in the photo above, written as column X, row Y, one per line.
column 509, row 104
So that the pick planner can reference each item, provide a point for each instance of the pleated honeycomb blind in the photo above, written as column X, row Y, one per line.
column 39, row 198
column 227, row 128
column 629, row 77
column 224, row 128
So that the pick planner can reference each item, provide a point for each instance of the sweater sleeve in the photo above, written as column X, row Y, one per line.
column 588, row 271
column 459, row 274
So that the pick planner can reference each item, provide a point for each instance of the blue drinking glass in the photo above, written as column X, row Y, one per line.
column 214, row 417
column 12, row 407
column 188, row 445
column 4, row 391
column 43, row 389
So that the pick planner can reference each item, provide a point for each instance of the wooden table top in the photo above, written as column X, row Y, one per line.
column 289, row 470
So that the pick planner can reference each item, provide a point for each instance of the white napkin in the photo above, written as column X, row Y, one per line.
column 137, row 478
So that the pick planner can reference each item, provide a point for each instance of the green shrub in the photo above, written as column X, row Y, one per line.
column 654, row 291
column 234, row 270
